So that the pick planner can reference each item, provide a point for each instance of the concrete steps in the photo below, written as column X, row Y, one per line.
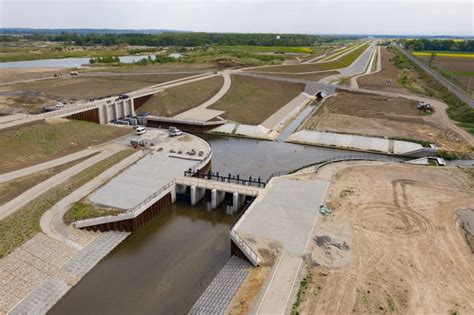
column 222, row 289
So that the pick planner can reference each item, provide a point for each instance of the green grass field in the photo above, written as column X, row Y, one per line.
column 252, row 100
column 269, row 49
column 178, row 99
column 342, row 62
column 23, row 224
column 39, row 142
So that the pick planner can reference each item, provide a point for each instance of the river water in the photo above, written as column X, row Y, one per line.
column 61, row 63
column 164, row 267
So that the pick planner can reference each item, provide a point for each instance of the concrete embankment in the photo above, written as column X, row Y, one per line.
column 360, row 143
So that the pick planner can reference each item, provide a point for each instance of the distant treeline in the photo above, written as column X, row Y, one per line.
column 440, row 45
column 187, row 39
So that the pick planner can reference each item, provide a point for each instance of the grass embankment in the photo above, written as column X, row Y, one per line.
column 338, row 53
column 11, row 189
column 252, row 100
column 176, row 100
column 270, row 49
column 81, row 210
column 22, row 225
column 39, row 142
column 340, row 63
column 418, row 81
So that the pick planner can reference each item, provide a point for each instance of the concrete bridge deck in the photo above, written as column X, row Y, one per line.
column 220, row 186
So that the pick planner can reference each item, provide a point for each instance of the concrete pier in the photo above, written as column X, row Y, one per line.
column 197, row 194
column 217, row 197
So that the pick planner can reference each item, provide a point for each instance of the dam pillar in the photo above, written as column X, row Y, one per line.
column 237, row 202
column 197, row 194
column 217, row 197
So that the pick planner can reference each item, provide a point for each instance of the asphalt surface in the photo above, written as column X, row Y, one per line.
column 460, row 93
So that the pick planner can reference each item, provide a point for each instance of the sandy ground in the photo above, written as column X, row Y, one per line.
column 393, row 243
column 10, row 75
column 376, row 115
column 385, row 80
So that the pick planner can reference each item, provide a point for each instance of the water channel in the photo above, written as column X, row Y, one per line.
column 164, row 267
column 61, row 63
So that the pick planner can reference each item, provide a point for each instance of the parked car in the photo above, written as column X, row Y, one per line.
column 140, row 130
column 59, row 105
column 423, row 106
column 173, row 132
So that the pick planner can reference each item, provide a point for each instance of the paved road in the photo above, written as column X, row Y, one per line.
column 202, row 112
column 21, row 200
column 460, row 93
column 52, row 223
column 5, row 177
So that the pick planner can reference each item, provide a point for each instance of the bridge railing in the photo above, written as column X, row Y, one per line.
column 324, row 162
column 248, row 251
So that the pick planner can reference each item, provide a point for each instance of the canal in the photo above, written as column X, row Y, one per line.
column 164, row 267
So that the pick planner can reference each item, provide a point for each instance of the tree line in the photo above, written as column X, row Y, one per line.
column 187, row 39
column 440, row 45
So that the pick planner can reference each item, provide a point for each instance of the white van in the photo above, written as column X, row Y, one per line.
column 140, row 130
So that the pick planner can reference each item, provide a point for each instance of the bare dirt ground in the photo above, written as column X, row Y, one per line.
column 251, row 100
column 19, row 74
column 179, row 99
column 77, row 88
column 376, row 115
column 248, row 295
column 39, row 142
column 386, row 79
column 461, row 69
column 393, row 243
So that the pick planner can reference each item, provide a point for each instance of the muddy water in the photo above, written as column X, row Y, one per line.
column 164, row 267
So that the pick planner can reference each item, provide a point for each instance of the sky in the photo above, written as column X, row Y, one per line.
column 402, row 17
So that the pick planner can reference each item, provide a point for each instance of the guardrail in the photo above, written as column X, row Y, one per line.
column 322, row 163
column 247, row 250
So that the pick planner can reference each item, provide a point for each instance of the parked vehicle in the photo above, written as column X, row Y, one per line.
column 173, row 132
column 140, row 130
column 423, row 106
column 59, row 105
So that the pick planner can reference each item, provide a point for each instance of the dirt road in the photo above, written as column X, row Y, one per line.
column 393, row 243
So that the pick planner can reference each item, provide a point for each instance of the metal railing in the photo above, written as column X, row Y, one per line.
column 336, row 159
column 255, row 182
column 248, row 251
column 151, row 197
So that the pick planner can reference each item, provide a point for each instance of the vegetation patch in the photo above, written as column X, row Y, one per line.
column 342, row 62
column 11, row 189
column 179, row 99
column 251, row 100
column 301, row 293
column 38, row 142
column 418, row 81
column 82, row 210
column 23, row 224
